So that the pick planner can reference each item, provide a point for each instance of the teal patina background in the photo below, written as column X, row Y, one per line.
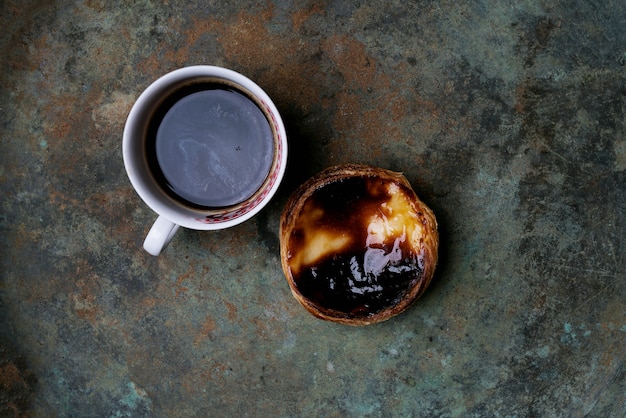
column 509, row 119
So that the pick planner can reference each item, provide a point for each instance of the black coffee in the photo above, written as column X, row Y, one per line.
column 210, row 145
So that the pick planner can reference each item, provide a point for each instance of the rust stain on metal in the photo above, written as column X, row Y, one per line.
column 299, row 17
column 207, row 328
column 180, row 289
column 232, row 311
column 10, row 376
column 355, row 65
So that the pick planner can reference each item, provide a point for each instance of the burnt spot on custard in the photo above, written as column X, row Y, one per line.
column 356, row 246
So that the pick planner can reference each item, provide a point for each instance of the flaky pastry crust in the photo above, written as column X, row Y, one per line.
column 428, row 242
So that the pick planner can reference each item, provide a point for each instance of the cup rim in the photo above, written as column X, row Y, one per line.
column 186, row 217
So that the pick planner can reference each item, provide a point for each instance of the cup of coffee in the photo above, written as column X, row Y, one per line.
column 205, row 148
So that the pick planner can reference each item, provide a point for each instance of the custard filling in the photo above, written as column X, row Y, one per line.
column 356, row 246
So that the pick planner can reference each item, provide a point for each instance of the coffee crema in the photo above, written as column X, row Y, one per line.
column 210, row 145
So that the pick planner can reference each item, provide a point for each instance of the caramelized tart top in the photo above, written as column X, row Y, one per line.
column 357, row 245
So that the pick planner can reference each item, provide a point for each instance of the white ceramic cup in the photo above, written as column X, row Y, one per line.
column 172, row 214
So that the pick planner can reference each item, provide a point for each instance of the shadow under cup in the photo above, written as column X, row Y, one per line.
column 205, row 150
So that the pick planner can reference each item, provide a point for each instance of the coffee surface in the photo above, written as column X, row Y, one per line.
column 214, row 147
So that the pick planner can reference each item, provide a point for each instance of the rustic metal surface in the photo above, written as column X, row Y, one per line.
column 509, row 119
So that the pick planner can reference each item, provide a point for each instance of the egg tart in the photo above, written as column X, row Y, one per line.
column 357, row 244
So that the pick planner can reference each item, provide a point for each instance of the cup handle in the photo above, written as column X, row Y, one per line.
column 160, row 235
